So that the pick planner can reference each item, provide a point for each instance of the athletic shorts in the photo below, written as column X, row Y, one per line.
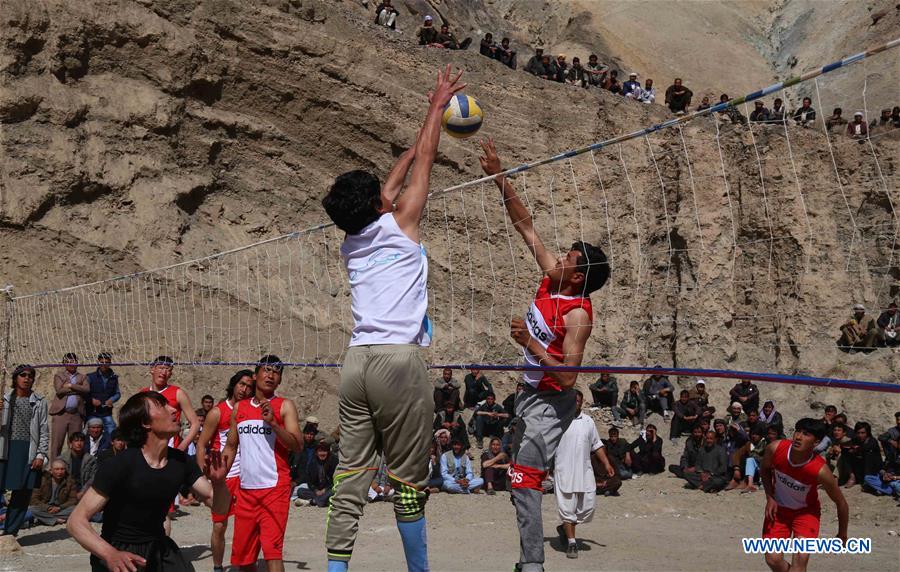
column 234, row 485
column 790, row 523
column 260, row 519
column 576, row 508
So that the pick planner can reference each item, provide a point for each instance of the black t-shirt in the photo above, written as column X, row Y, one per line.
column 140, row 496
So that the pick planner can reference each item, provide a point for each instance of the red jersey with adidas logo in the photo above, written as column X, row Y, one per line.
column 170, row 392
column 546, row 324
column 796, row 486
column 264, row 459
column 225, row 410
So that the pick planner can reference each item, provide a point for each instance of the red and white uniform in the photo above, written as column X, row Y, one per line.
column 233, row 479
column 545, row 322
column 260, row 517
column 170, row 392
column 796, row 492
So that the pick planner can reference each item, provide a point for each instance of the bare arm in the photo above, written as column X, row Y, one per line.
column 578, row 330
column 395, row 179
column 188, row 411
column 214, row 488
column 518, row 212
column 80, row 528
column 289, row 434
column 828, row 482
column 604, row 460
column 207, row 434
column 409, row 208
column 231, row 442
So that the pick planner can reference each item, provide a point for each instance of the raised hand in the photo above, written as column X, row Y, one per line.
column 446, row 87
column 215, row 469
column 519, row 332
column 490, row 162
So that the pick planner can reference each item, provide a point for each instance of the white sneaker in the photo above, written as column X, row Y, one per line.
column 302, row 502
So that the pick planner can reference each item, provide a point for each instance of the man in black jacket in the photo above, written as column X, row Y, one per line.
column 711, row 467
column 104, row 392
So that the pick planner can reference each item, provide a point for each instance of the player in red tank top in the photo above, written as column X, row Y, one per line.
column 271, row 427
column 554, row 333
column 215, row 429
column 791, row 474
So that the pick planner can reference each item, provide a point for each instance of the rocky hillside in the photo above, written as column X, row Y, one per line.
column 140, row 133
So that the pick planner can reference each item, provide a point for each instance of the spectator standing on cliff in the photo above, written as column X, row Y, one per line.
column 678, row 97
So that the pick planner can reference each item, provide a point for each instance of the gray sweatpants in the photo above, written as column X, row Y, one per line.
column 386, row 408
column 541, row 419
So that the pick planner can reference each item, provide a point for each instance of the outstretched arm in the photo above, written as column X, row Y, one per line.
column 828, row 482
column 188, row 411
column 409, row 208
column 518, row 212
column 578, row 329
column 395, row 179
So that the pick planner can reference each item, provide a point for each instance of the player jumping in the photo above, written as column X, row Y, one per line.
column 386, row 405
column 214, row 436
column 791, row 473
column 554, row 333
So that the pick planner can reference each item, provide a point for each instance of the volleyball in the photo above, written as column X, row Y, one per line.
column 462, row 116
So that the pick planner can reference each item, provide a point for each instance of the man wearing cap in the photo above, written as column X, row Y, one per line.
column 699, row 395
column 736, row 414
column 860, row 332
column 97, row 439
column 746, row 394
column 312, row 422
column 67, row 409
column 427, row 34
column 857, row 129
column 631, row 85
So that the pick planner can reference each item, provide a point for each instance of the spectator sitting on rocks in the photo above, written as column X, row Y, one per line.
column 678, row 97
column 605, row 391
column 707, row 415
column 118, row 445
column 828, row 416
column 860, row 332
column 736, row 414
column 547, row 69
column 686, row 414
column 759, row 114
column 489, row 420
column 731, row 112
column 704, row 103
column 698, row 394
column 612, row 82
column 771, row 417
column 451, row 420
column 509, row 404
column 887, row 481
column 494, row 464
column 506, row 55
column 777, row 113
column 447, row 39
column 720, row 428
column 857, row 129
column 97, row 440
column 633, row 406
column 772, row 435
column 321, row 478
column 863, row 457
column 576, row 75
column 895, row 116
column 746, row 393
column 753, row 422
column 889, row 326
column 427, row 34
column 890, row 439
column 442, row 439
column 619, row 453
column 488, row 46
column 711, row 469
column 835, row 119
column 883, row 122
column 456, row 471
column 630, row 85
column 689, row 456
column 81, row 466
column 562, row 68
column 381, row 489
column 805, row 114
column 57, row 496
column 435, row 480
column 752, row 454
column 596, row 72
column 386, row 15
column 647, row 454
column 658, row 393
column 534, row 66
column 838, row 440
column 299, row 461
column 446, row 390
column 477, row 388
column 648, row 92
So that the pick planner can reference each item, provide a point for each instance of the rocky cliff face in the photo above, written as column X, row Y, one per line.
column 137, row 134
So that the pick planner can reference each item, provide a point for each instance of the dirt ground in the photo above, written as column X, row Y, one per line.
column 654, row 525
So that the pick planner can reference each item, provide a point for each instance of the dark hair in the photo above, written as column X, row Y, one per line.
column 777, row 99
column 490, row 394
column 309, row 428
column 579, row 393
column 754, row 411
column 863, row 425
column 842, row 416
column 504, row 40
column 104, row 355
column 758, row 431
column 352, row 202
column 592, row 56
column 76, row 436
column 70, row 357
column 200, row 412
column 724, row 97
column 593, row 264
column 897, row 414
column 837, row 111
column 207, row 396
column 456, row 441
column 651, row 426
column 135, row 414
column 116, row 435
column 232, row 383
column 20, row 369
column 684, row 392
column 809, row 99
column 613, row 431
column 162, row 360
column 830, row 408
column 815, row 427
column 269, row 360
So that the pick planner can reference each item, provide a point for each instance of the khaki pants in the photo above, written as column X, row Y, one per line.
column 386, row 408
column 63, row 425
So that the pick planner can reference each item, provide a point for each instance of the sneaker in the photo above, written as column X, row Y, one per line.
column 490, row 492
column 572, row 550
column 302, row 502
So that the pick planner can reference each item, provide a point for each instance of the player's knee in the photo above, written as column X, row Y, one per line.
column 774, row 560
column 799, row 563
